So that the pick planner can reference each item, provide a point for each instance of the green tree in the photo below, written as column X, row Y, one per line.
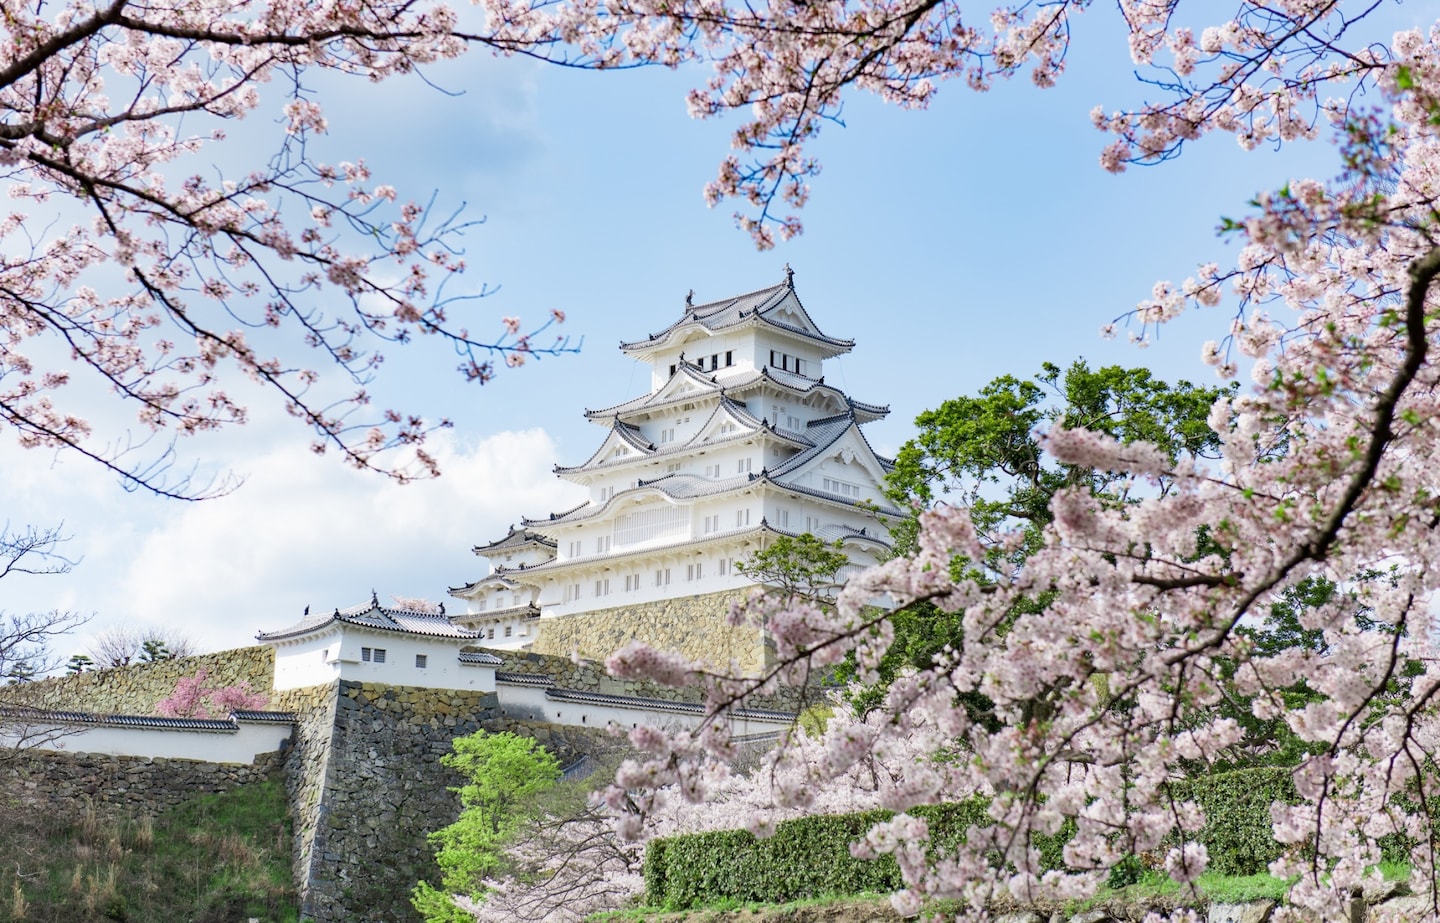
column 984, row 452
column 505, row 775
column 799, row 567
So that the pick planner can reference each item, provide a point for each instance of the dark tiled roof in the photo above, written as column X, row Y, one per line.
column 524, row 679
column 740, row 309
column 267, row 717
column 480, row 658
column 381, row 618
column 516, row 538
column 154, row 722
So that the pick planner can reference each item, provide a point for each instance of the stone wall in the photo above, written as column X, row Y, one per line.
column 306, row 767
column 366, row 797
column 694, row 626
column 135, row 689
column 65, row 783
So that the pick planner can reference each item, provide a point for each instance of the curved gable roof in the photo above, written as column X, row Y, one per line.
column 763, row 306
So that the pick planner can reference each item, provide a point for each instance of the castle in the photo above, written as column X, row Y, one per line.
column 738, row 441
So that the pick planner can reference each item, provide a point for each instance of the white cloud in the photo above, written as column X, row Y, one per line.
column 305, row 531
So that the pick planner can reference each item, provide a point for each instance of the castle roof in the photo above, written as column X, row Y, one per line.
column 515, row 538
column 720, row 385
column 818, row 437
column 748, row 426
column 761, row 308
column 376, row 617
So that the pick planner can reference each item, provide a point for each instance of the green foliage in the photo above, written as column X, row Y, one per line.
column 505, row 774
column 807, row 857
column 1237, row 816
column 802, row 567
column 983, row 452
column 212, row 859
column 810, row 856
column 79, row 663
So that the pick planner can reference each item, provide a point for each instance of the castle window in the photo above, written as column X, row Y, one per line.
column 672, row 371
column 662, row 577
column 694, row 571
column 602, row 544
column 842, row 488
column 508, row 629
column 743, row 466
column 490, row 634
column 484, row 603
column 372, row 655
column 782, row 518
column 729, row 358
column 602, row 588
column 712, row 471
column 421, row 661
column 742, row 518
column 724, row 567
column 712, row 523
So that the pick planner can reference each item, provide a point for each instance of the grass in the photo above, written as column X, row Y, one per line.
column 213, row 859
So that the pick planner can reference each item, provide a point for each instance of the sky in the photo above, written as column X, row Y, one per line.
column 974, row 239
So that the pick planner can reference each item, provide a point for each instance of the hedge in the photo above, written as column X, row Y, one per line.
column 810, row 856
column 806, row 857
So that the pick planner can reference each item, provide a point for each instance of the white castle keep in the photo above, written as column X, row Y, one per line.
column 740, row 439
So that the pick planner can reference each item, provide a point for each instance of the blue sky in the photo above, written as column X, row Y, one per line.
column 974, row 239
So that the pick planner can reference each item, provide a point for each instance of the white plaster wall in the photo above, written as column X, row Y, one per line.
column 308, row 661
column 242, row 746
column 531, row 701
column 339, row 655
column 442, row 670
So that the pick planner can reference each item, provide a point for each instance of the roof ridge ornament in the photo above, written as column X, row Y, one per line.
column 789, row 276
column 690, row 299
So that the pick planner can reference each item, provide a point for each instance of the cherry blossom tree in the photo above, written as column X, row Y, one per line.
column 133, row 267
column 1107, row 692
column 195, row 697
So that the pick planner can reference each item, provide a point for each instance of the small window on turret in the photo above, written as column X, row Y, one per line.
column 729, row 358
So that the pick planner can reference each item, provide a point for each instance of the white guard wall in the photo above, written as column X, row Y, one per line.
column 534, row 703
column 240, row 746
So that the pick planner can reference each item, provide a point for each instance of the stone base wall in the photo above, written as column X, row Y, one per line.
column 367, row 796
column 694, row 626
column 135, row 689
column 65, row 784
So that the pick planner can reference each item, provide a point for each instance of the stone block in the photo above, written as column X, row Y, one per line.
column 1253, row 912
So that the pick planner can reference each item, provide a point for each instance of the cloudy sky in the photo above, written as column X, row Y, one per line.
column 971, row 240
